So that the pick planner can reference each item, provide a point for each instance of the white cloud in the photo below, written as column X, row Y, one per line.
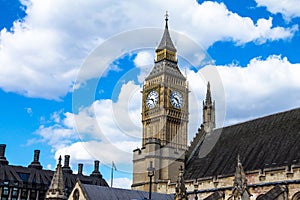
column 57, row 136
column 215, row 22
column 114, row 127
column 85, row 152
column 144, row 61
column 42, row 54
column 29, row 111
column 289, row 8
column 49, row 167
column 262, row 87
column 124, row 183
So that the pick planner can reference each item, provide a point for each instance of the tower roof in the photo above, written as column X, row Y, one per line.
column 166, row 41
column 57, row 187
column 166, row 52
column 208, row 95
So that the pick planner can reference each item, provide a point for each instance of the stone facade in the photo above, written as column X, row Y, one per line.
column 164, row 119
column 269, row 146
column 258, row 184
column 56, row 190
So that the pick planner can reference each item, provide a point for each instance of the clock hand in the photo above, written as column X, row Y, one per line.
column 176, row 100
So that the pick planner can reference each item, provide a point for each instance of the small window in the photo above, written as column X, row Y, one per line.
column 15, row 192
column 24, row 193
column 5, row 191
column 32, row 194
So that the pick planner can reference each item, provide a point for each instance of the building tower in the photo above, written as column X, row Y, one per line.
column 164, row 118
column 56, row 190
column 209, row 116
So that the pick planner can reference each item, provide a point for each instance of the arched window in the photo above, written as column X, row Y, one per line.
column 296, row 196
column 76, row 195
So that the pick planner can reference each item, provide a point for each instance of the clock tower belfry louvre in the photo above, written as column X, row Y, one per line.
column 164, row 119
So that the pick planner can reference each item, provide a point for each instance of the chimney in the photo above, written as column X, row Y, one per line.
column 36, row 156
column 80, row 168
column 3, row 160
column 66, row 168
column 96, row 172
column 67, row 161
column 36, row 163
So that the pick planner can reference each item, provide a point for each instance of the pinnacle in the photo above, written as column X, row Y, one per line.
column 166, row 41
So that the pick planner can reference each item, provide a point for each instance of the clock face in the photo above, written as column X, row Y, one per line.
column 152, row 99
column 176, row 99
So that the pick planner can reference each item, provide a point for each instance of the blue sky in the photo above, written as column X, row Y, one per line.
column 71, row 73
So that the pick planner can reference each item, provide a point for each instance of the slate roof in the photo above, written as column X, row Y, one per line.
column 41, row 178
column 267, row 142
column 166, row 41
column 168, row 68
column 107, row 193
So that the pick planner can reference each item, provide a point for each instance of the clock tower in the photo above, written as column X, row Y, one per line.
column 164, row 119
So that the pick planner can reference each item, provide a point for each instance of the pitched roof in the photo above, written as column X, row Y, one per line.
column 271, row 141
column 166, row 41
column 25, row 175
column 167, row 68
column 95, row 192
column 57, row 187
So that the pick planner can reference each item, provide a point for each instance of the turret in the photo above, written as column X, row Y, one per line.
column 209, row 121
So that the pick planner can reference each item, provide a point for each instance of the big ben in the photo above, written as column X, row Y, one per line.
column 164, row 118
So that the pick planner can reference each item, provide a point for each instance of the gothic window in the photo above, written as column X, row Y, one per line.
column 76, row 195
column 296, row 196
